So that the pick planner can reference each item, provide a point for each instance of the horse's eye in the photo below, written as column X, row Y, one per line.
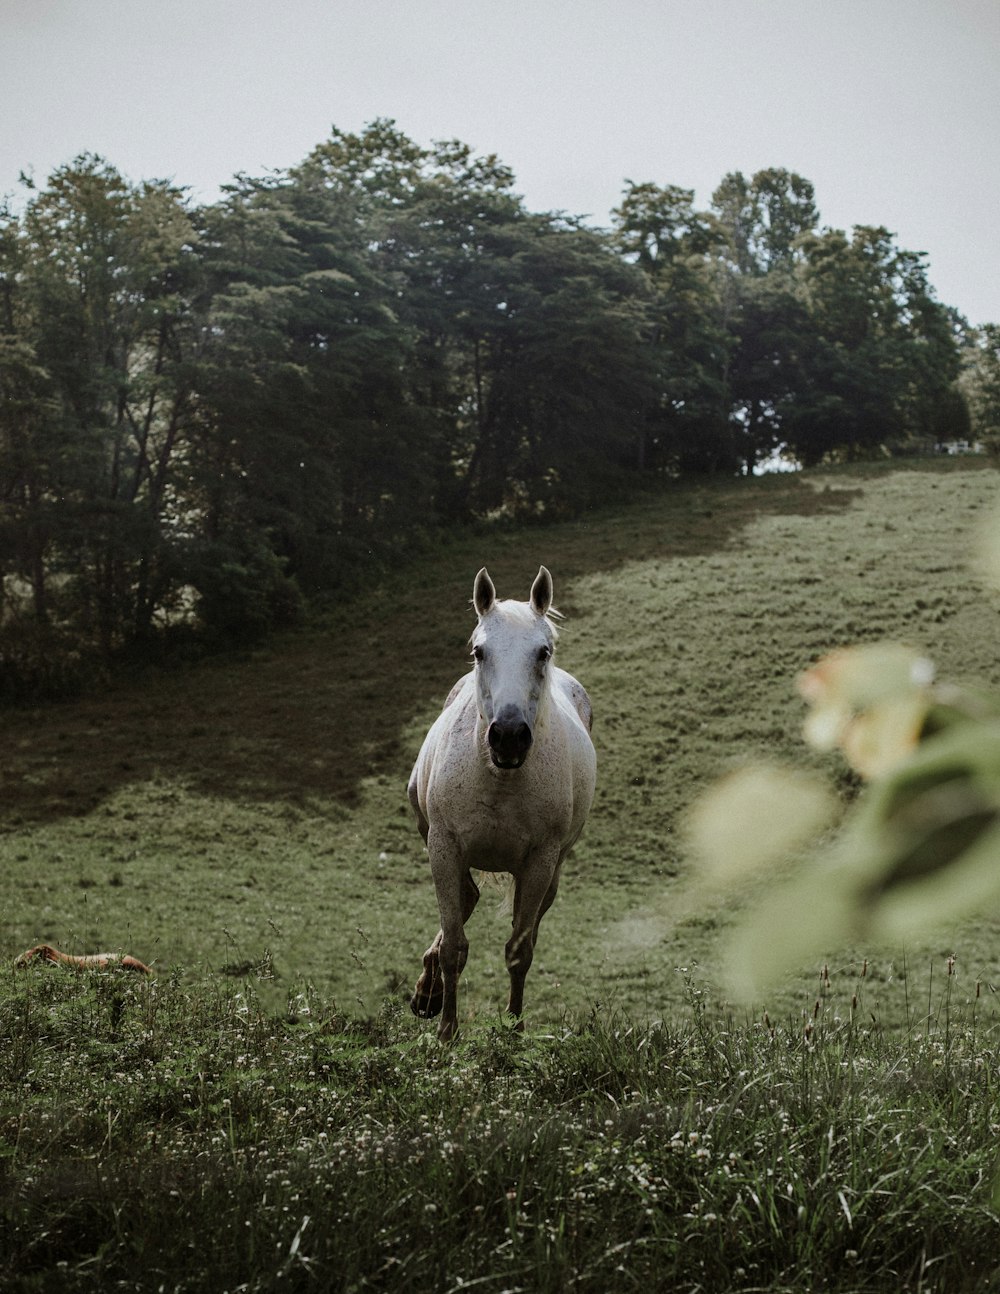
column 543, row 654
column 478, row 652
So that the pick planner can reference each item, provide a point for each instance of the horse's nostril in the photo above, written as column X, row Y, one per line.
column 509, row 741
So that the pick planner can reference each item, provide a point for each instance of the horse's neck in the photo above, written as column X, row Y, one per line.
column 546, row 706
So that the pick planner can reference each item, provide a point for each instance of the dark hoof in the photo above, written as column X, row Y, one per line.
column 428, row 996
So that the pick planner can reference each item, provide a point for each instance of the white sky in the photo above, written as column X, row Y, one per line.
column 890, row 107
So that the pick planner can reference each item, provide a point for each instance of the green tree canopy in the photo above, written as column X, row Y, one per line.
column 209, row 414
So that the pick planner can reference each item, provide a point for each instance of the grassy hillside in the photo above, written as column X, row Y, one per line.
column 266, row 1114
column 252, row 813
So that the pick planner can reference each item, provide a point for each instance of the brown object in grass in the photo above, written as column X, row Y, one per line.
column 90, row 961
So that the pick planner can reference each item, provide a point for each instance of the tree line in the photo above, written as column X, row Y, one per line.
column 212, row 414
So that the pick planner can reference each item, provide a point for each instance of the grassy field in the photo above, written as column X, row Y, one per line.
column 266, row 1114
column 234, row 814
column 162, row 1137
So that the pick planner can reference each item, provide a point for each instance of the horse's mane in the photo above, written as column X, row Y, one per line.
column 551, row 616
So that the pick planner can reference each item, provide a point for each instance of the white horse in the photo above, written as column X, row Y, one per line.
column 503, row 783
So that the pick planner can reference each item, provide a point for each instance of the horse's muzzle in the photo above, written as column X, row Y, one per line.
column 509, row 740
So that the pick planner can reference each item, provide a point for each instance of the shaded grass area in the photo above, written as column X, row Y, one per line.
column 315, row 713
column 185, row 1137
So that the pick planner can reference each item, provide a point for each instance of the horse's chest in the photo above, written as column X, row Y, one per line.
column 496, row 836
column 497, row 824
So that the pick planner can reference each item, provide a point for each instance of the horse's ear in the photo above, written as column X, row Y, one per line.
column 541, row 591
column 483, row 593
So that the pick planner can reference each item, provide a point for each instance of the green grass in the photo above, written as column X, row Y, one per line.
column 207, row 817
column 267, row 1114
column 158, row 1137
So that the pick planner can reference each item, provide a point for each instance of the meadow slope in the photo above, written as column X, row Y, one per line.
column 248, row 816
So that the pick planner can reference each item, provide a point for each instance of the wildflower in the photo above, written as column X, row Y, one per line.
column 870, row 701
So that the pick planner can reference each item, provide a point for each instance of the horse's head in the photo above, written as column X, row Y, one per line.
column 512, row 646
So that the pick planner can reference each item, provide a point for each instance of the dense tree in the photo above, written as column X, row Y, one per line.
column 765, row 218
column 880, row 357
column 29, row 459
column 208, row 415
column 563, row 384
column 98, row 322
column 981, row 384
column 525, row 327
column 768, row 322
column 687, row 424
column 303, row 416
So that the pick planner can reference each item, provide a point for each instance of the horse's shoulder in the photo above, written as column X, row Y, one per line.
column 413, row 795
column 578, row 697
column 437, row 738
column 463, row 683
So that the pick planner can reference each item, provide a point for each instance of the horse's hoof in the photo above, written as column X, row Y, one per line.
column 427, row 1002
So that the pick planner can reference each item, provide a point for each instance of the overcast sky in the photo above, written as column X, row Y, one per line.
column 890, row 107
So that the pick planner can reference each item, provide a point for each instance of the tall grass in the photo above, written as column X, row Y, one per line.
column 157, row 1135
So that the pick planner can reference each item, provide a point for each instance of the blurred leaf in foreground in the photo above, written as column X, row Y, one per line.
column 922, row 848
column 926, row 840
column 734, row 832
column 869, row 701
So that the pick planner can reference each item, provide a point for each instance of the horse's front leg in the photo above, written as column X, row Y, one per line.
column 534, row 892
column 445, row 959
column 457, row 894
column 428, row 993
